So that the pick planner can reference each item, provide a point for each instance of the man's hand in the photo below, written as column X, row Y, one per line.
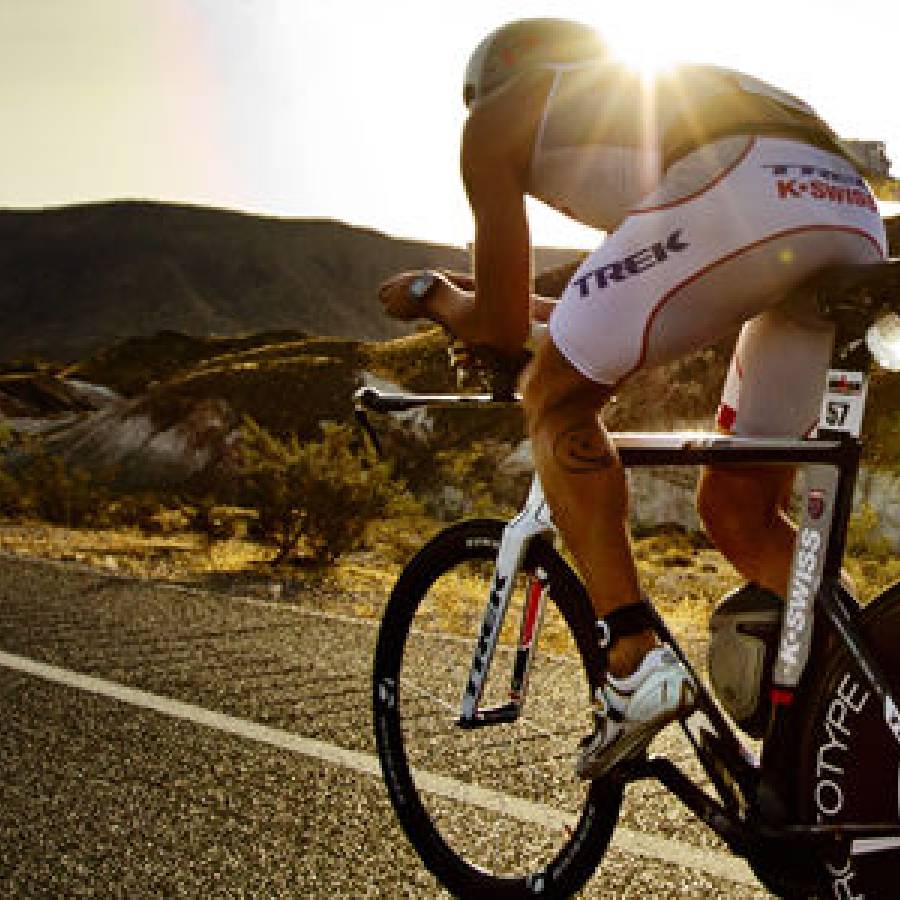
column 396, row 300
column 446, row 303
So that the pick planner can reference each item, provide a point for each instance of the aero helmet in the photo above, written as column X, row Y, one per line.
column 527, row 43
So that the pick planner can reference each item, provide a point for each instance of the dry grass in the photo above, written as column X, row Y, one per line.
column 177, row 556
column 684, row 579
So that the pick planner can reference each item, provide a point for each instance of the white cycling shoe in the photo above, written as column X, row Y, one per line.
column 631, row 711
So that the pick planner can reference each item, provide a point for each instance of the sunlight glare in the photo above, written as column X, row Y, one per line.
column 648, row 53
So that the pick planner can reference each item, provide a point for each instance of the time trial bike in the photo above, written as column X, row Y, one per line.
column 477, row 737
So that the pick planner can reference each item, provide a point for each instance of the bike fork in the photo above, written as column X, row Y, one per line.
column 534, row 519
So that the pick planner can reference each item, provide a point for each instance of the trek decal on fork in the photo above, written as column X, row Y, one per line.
column 487, row 639
column 534, row 519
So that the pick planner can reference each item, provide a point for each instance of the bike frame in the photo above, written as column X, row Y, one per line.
column 743, row 815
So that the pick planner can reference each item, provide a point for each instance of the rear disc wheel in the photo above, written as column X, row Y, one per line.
column 850, row 762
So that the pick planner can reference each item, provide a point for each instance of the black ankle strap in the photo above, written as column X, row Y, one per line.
column 631, row 619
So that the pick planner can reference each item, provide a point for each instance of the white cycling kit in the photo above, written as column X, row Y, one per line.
column 723, row 236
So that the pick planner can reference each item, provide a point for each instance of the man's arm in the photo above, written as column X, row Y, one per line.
column 540, row 306
column 496, row 153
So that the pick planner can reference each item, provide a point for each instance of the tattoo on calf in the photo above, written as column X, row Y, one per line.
column 582, row 449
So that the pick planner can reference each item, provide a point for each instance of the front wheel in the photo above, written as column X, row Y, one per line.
column 850, row 763
column 497, row 811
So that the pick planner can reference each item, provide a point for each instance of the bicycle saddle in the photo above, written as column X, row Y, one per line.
column 858, row 291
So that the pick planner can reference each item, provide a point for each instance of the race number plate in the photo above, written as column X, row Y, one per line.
column 844, row 402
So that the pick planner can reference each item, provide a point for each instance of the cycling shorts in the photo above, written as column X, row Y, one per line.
column 725, row 243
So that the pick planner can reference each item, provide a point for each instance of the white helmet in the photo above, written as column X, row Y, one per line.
column 527, row 43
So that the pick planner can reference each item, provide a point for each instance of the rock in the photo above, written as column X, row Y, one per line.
column 125, row 439
column 95, row 396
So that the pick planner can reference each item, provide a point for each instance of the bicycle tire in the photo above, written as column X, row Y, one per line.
column 469, row 849
column 848, row 762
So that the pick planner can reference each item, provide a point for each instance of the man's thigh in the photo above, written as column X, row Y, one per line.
column 777, row 374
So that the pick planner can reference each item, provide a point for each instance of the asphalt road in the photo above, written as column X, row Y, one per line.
column 173, row 743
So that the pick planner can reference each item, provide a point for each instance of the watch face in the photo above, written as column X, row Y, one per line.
column 421, row 285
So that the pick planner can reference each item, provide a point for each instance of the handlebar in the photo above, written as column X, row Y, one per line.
column 370, row 399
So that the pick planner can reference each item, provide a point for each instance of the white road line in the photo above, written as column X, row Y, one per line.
column 625, row 840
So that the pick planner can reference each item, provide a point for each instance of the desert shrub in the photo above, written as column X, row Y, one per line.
column 318, row 494
column 60, row 493
column 212, row 521
column 862, row 539
column 141, row 510
column 475, row 476
column 454, row 475
column 36, row 482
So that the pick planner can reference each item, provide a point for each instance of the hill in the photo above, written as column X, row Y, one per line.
column 76, row 279
column 291, row 380
column 185, row 396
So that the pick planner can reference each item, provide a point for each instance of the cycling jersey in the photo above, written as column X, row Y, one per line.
column 732, row 231
column 607, row 135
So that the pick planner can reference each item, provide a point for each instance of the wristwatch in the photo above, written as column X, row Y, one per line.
column 423, row 284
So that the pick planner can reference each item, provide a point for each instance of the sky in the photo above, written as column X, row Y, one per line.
column 353, row 110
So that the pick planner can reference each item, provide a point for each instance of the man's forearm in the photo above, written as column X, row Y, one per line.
column 454, row 308
column 540, row 307
column 463, row 280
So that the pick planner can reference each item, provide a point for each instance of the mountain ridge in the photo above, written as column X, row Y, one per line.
column 75, row 279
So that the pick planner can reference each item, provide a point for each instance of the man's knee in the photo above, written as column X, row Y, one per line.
column 552, row 386
column 735, row 503
column 713, row 506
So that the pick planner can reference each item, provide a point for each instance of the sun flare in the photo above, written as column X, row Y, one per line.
column 647, row 53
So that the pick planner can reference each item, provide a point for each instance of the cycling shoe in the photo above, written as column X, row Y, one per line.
column 629, row 712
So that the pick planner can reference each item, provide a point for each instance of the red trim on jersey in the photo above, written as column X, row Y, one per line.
column 728, row 258
column 707, row 187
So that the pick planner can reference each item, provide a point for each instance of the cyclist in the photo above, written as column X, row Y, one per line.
column 720, row 196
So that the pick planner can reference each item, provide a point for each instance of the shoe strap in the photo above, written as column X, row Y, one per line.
column 626, row 620
column 603, row 709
